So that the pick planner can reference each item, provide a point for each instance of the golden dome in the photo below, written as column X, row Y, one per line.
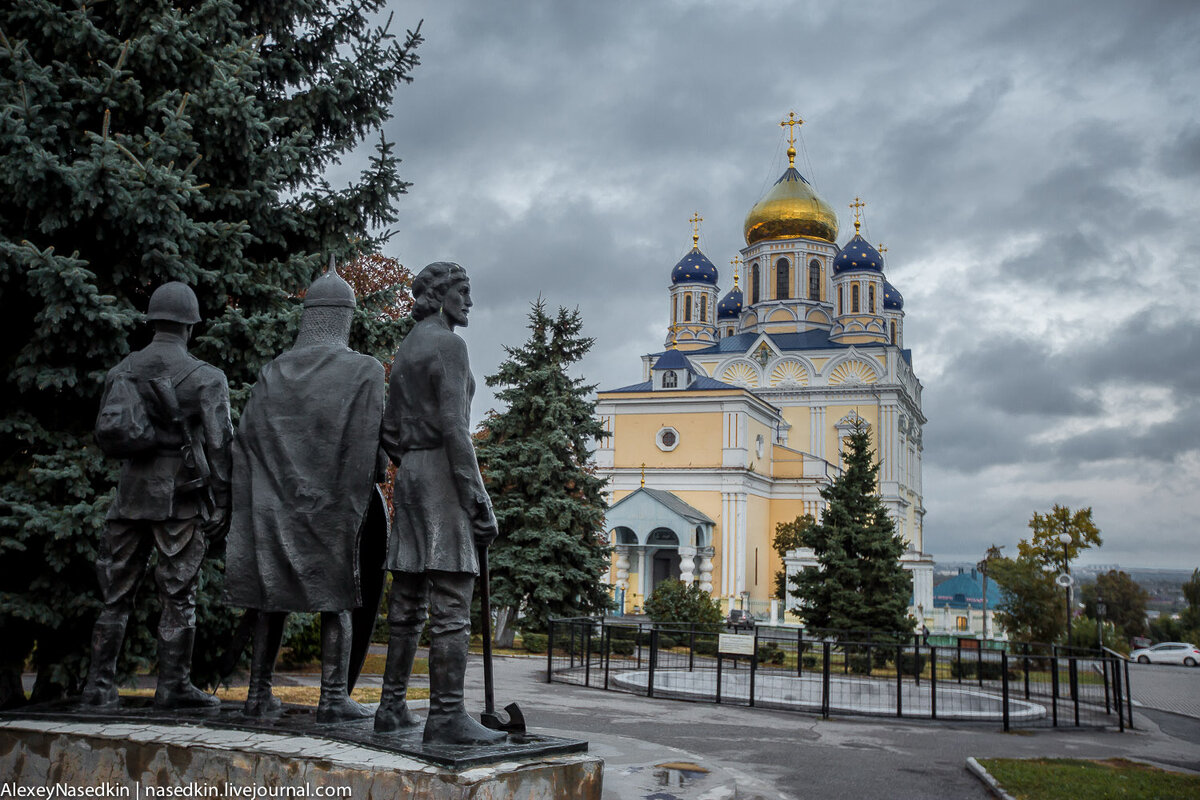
column 791, row 209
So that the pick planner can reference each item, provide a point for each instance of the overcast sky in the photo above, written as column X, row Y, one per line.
column 1031, row 167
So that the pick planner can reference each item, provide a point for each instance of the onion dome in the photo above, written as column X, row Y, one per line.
column 892, row 299
column 789, row 210
column 730, row 306
column 694, row 268
column 858, row 256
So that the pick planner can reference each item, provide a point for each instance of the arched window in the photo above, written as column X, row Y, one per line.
column 670, row 379
column 783, row 279
column 704, row 308
column 687, row 308
column 853, row 299
column 840, row 306
column 893, row 331
column 754, row 283
column 814, row 280
column 871, row 297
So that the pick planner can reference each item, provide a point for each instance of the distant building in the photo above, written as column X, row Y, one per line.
column 959, row 607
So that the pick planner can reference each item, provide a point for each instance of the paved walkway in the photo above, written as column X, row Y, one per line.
column 675, row 750
column 1166, row 687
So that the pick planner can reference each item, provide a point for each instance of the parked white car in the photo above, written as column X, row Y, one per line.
column 1168, row 653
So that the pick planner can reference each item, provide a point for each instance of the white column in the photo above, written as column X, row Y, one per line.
column 740, row 544
column 706, row 567
column 727, row 556
column 816, row 431
column 687, row 564
column 623, row 567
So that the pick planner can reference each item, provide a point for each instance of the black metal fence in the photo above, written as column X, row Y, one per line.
column 837, row 673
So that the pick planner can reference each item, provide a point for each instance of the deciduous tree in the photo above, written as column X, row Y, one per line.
column 1124, row 602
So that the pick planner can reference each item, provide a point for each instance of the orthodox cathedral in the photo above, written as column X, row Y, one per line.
column 738, row 422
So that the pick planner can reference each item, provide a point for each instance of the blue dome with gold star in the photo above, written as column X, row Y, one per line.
column 694, row 268
column 730, row 306
column 892, row 299
column 858, row 256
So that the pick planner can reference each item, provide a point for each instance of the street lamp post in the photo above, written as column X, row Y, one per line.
column 1100, row 609
column 1065, row 538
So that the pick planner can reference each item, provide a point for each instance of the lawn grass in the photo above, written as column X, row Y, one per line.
column 298, row 695
column 1054, row 778
column 375, row 662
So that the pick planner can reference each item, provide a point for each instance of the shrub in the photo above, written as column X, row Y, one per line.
column 770, row 654
column 911, row 663
column 622, row 647
column 535, row 642
column 705, row 647
column 809, row 662
column 302, row 638
column 676, row 602
column 666, row 642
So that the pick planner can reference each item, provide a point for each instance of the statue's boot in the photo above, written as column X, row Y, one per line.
column 175, row 689
column 393, row 713
column 268, row 636
column 448, row 721
column 100, row 691
column 335, row 704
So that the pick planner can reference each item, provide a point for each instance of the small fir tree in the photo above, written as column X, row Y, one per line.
column 860, row 584
column 142, row 142
column 551, row 553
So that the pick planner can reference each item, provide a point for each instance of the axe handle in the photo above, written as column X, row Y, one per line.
column 485, row 614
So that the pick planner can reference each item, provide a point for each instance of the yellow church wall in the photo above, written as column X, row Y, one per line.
column 786, row 462
column 834, row 414
column 781, row 511
column 635, row 437
column 754, row 429
column 758, row 538
column 819, row 363
column 781, row 315
column 799, row 434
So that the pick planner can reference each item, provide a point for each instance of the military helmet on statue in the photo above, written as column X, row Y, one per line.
column 330, row 290
column 174, row 302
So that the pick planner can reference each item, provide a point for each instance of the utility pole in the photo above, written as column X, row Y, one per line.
column 982, row 566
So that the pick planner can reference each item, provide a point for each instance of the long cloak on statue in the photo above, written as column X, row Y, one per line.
column 304, row 472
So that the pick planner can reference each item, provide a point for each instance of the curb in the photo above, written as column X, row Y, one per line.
column 988, row 781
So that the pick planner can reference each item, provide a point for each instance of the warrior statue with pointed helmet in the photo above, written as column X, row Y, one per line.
column 306, row 460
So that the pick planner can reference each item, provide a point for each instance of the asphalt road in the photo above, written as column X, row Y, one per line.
column 777, row 755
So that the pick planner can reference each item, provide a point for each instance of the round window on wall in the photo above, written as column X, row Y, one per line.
column 667, row 439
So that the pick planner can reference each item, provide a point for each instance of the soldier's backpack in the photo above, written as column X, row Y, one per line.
column 124, row 428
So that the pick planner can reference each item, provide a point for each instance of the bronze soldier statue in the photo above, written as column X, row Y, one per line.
column 306, row 460
column 443, row 513
column 165, row 413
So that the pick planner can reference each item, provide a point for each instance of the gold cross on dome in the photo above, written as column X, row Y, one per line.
column 735, row 262
column 791, row 122
column 881, row 249
column 696, row 220
column 858, row 205
column 643, row 474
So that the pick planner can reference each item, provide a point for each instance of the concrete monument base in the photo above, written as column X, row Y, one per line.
column 143, row 759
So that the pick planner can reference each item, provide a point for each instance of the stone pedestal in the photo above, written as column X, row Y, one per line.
column 135, row 757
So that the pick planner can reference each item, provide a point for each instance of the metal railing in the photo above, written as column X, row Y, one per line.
column 843, row 672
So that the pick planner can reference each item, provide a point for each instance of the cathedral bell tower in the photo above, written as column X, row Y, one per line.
column 858, row 290
column 693, row 298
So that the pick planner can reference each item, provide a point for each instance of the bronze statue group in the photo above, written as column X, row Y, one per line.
column 293, row 488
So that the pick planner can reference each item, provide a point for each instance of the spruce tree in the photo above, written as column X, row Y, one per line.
column 551, row 554
column 143, row 141
column 860, row 584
